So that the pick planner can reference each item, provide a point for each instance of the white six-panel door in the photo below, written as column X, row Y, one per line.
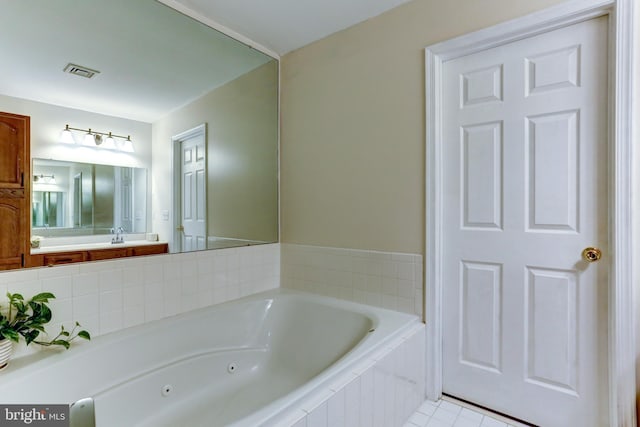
column 524, row 132
column 194, row 193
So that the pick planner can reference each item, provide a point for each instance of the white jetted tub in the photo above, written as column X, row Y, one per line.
column 247, row 362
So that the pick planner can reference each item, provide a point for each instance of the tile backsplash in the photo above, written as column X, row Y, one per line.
column 384, row 279
column 107, row 296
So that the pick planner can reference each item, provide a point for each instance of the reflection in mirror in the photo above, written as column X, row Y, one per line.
column 161, row 73
column 79, row 199
column 48, row 209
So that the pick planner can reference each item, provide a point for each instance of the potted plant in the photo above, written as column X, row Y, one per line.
column 35, row 241
column 26, row 319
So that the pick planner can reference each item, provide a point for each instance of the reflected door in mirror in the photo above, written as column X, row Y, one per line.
column 48, row 209
column 77, row 200
column 194, row 191
column 123, row 198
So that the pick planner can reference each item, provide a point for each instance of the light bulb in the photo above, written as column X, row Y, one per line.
column 89, row 139
column 127, row 145
column 66, row 137
column 109, row 143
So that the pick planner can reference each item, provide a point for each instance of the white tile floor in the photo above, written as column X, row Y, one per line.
column 444, row 413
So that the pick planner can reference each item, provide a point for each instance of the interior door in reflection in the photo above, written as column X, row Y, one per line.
column 194, row 193
column 48, row 209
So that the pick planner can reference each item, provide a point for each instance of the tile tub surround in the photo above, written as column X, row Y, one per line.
column 107, row 296
column 382, row 391
column 383, row 279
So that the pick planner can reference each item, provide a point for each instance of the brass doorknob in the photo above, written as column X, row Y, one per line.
column 591, row 254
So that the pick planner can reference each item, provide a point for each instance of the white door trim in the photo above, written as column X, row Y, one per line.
column 176, row 140
column 622, row 348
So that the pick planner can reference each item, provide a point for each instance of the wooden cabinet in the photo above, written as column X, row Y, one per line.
column 15, row 194
column 12, row 242
column 58, row 258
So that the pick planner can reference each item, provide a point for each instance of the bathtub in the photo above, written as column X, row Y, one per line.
column 250, row 362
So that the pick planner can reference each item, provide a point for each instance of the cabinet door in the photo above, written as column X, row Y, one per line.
column 12, row 239
column 14, row 150
column 15, row 194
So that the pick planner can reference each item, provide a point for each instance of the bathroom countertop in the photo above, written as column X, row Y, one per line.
column 91, row 246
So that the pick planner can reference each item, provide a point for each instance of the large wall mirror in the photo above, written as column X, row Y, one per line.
column 199, row 108
column 72, row 198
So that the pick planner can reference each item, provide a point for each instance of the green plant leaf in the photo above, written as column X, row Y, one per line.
column 43, row 297
column 19, row 305
column 19, row 316
column 10, row 334
column 64, row 333
column 30, row 336
column 85, row 335
column 14, row 297
column 45, row 313
column 41, row 313
column 63, row 343
column 35, row 307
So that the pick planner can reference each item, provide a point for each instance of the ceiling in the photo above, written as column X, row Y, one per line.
column 286, row 25
column 152, row 59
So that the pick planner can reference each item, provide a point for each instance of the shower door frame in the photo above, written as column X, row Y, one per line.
column 622, row 169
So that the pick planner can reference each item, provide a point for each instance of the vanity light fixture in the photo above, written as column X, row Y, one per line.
column 46, row 179
column 96, row 139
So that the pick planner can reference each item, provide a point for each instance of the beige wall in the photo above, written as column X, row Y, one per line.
column 352, row 137
column 242, row 125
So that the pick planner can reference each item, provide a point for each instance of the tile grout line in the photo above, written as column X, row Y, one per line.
column 485, row 418
column 485, row 412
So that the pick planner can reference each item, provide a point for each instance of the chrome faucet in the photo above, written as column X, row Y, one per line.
column 119, row 238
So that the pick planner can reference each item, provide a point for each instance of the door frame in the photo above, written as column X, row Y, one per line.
column 621, row 186
column 176, row 142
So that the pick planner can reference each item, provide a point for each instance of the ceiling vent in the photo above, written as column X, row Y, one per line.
column 79, row 70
